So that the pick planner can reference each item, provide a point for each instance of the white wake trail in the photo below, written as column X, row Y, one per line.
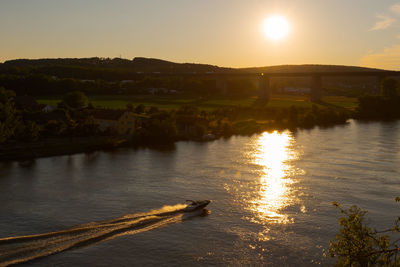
column 19, row 249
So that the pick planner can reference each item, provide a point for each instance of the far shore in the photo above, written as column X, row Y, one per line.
column 57, row 147
column 19, row 151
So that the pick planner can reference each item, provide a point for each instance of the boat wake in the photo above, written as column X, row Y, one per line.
column 20, row 249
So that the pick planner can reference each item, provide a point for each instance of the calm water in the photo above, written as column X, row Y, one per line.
column 271, row 195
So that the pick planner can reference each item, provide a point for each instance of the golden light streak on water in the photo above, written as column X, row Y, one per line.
column 273, row 152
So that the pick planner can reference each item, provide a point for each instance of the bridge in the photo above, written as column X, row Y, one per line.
column 264, row 88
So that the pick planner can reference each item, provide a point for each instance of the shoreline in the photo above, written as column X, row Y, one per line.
column 58, row 147
column 74, row 145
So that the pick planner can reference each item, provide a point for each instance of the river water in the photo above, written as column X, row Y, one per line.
column 271, row 200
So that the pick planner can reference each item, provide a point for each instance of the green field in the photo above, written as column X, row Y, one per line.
column 174, row 102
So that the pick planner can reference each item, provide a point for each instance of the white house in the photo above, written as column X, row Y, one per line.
column 48, row 108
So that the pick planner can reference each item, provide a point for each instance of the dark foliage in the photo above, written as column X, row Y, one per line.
column 359, row 245
column 378, row 108
column 76, row 100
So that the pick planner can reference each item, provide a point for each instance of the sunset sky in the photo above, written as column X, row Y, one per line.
column 219, row 32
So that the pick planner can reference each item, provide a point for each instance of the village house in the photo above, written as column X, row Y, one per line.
column 121, row 121
column 155, row 91
column 123, row 82
column 48, row 108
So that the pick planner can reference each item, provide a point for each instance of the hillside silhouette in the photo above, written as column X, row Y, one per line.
column 118, row 68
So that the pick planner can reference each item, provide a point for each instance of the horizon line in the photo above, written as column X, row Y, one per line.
column 197, row 63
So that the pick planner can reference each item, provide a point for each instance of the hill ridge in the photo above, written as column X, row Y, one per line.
column 155, row 64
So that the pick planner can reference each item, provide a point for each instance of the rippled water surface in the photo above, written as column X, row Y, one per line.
column 271, row 195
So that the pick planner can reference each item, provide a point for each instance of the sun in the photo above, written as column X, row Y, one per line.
column 276, row 27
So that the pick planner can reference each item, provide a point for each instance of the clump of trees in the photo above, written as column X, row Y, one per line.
column 11, row 124
column 308, row 118
column 159, row 128
column 75, row 100
column 22, row 125
column 385, row 106
column 37, row 84
column 390, row 87
column 359, row 245
column 9, row 121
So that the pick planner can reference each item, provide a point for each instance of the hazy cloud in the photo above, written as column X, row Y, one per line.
column 396, row 9
column 383, row 23
column 388, row 59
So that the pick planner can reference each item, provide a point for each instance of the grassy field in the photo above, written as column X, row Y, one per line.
column 174, row 102
column 342, row 101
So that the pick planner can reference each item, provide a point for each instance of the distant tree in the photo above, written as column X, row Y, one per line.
column 160, row 127
column 55, row 128
column 226, row 128
column 378, row 107
column 389, row 87
column 5, row 95
column 140, row 109
column 293, row 116
column 28, row 131
column 308, row 120
column 130, row 107
column 76, row 99
column 9, row 121
column 153, row 110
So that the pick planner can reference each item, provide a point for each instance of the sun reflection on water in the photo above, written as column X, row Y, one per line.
column 273, row 152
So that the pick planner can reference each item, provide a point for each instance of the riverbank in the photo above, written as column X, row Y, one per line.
column 17, row 151
column 58, row 146
column 45, row 134
column 173, row 102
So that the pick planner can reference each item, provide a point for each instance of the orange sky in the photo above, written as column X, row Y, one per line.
column 219, row 32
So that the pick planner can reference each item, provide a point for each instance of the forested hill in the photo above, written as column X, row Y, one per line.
column 102, row 68
column 138, row 64
column 120, row 69
column 308, row 68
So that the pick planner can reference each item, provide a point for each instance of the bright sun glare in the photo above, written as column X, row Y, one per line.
column 276, row 27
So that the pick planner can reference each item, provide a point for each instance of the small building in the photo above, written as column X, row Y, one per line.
column 121, row 121
column 48, row 108
column 155, row 91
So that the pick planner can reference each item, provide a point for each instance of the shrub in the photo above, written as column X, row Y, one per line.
column 357, row 244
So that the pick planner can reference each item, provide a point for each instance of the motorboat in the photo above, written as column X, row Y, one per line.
column 194, row 205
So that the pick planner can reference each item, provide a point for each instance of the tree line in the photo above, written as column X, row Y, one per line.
column 385, row 106
column 44, row 85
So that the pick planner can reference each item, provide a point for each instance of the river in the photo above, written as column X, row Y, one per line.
column 271, row 195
